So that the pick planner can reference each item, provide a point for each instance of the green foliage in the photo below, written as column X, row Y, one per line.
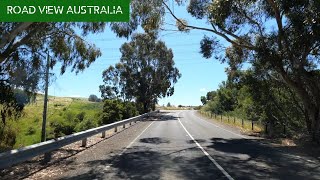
column 31, row 131
column 112, row 111
column 129, row 110
column 85, row 125
column 24, row 48
column 80, row 116
column 7, row 137
column 93, row 98
column 252, row 97
column 115, row 110
column 203, row 100
column 145, row 73
column 62, row 127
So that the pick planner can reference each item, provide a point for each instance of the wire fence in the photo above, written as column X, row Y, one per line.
column 254, row 126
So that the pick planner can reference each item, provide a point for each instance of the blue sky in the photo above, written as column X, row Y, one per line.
column 199, row 75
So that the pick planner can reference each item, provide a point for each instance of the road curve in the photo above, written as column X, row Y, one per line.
column 181, row 145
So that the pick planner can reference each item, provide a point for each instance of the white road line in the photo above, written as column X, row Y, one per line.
column 125, row 149
column 206, row 153
column 219, row 127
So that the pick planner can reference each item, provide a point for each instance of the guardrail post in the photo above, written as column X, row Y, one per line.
column 84, row 142
column 46, row 158
column 103, row 135
column 130, row 123
column 116, row 129
column 124, row 126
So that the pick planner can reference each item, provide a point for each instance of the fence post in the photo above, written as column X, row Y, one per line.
column 234, row 120
column 221, row 117
column 215, row 115
column 252, row 125
column 103, row 135
column 124, row 126
column 266, row 128
column 116, row 129
column 242, row 123
column 84, row 142
column 228, row 118
column 284, row 129
column 130, row 123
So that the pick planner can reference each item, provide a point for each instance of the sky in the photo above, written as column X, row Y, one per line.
column 199, row 75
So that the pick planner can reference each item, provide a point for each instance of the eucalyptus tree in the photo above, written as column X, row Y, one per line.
column 145, row 72
column 280, row 38
column 276, row 37
column 23, row 54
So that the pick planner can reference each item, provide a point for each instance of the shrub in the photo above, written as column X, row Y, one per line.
column 115, row 110
column 129, row 110
column 80, row 116
column 112, row 111
column 62, row 127
column 85, row 125
column 7, row 137
column 31, row 131
column 93, row 98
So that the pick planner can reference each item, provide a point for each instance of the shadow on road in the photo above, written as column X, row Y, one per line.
column 241, row 158
column 255, row 159
column 141, row 162
column 154, row 140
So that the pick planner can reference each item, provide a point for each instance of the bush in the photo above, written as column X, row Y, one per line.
column 7, row 137
column 129, row 110
column 81, row 116
column 112, row 111
column 31, row 131
column 115, row 110
column 93, row 98
column 85, row 125
column 62, row 127
column 21, row 97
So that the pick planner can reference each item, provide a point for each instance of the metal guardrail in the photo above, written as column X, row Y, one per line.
column 16, row 156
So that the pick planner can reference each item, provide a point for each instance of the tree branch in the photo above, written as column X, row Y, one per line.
column 251, row 47
column 6, row 38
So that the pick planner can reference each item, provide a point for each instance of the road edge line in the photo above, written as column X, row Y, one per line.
column 206, row 153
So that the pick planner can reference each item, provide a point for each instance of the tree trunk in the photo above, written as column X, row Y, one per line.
column 314, row 115
column 145, row 107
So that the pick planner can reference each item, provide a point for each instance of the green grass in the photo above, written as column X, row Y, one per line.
column 247, row 126
column 28, row 126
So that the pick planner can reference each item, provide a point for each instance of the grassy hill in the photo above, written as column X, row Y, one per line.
column 60, row 109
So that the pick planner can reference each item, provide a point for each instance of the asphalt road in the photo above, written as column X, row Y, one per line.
column 181, row 145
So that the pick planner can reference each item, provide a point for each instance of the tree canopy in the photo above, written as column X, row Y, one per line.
column 145, row 72
column 24, row 48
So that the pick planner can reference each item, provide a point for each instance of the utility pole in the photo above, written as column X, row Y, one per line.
column 45, row 103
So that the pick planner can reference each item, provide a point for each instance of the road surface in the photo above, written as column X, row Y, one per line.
column 181, row 145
